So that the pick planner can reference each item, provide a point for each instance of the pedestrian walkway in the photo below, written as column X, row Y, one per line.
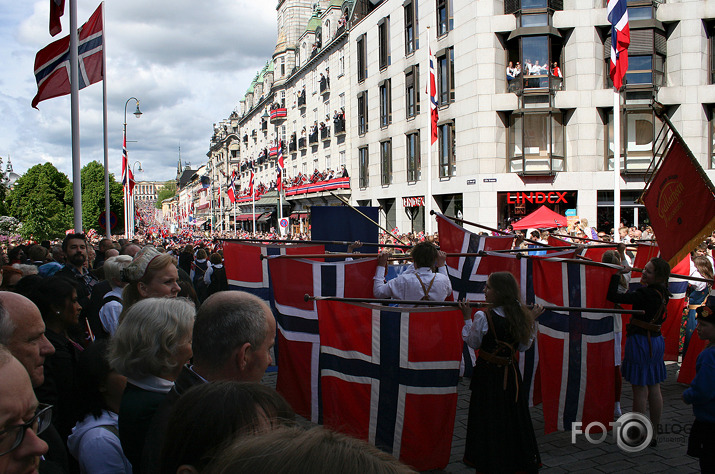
column 559, row 455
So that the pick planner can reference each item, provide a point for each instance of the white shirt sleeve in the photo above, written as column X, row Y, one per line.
column 474, row 330
column 207, row 275
column 380, row 289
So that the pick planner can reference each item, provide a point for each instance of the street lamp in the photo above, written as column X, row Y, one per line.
column 128, row 208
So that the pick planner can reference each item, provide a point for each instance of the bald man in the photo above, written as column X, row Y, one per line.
column 23, row 332
column 18, row 406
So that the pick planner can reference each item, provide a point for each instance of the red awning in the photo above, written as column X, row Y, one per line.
column 299, row 215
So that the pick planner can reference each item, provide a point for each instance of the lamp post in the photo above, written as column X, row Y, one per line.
column 128, row 208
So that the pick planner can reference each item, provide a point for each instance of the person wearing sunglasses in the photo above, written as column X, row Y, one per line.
column 21, row 419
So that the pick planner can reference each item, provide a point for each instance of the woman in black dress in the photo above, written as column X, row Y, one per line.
column 500, row 435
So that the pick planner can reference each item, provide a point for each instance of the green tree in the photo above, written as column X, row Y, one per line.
column 92, row 176
column 41, row 200
column 168, row 190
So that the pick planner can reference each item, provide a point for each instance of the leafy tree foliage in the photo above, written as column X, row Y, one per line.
column 93, row 196
column 41, row 199
column 167, row 191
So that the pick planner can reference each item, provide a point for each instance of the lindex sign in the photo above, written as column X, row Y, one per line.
column 552, row 197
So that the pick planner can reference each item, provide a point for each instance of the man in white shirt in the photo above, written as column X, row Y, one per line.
column 420, row 281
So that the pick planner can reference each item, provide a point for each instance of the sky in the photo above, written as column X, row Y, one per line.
column 188, row 62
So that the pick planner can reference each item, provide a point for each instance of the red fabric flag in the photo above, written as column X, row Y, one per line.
column 432, row 91
column 620, row 40
column 57, row 9
column 52, row 62
column 387, row 380
column 679, row 182
column 576, row 354
column 299, row 342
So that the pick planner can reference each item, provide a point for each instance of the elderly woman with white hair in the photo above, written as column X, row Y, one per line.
column 112, row 302
column 151, row 344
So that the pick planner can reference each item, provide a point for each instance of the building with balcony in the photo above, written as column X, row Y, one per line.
column 524, row 99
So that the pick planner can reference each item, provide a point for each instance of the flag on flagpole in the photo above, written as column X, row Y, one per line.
column 432, row 91
column 620, row 39
column 231, row 191
column 126, row 169
column 52, row 62
column 250, row 182
column 57, row 9
column 280, row 167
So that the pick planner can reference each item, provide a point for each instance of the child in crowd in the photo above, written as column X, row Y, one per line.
column 701, row 395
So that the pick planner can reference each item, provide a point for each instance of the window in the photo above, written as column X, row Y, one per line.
column 386, row 162
column 383, row 31
column 639, row 129
column 646, row 58
column 444, row 17
column 341, row 62
column 413, row 156
column 447, row 166
column 341, row 158
column 327, row 163
column 536, row 143
column 445, row 79
column 534, row 62
column 412, row 93
column 363, row 163
column 361, row 58
column 385, row 103
column 283, row 67
column 410, row 30
column 362, row 112
column 342, row 100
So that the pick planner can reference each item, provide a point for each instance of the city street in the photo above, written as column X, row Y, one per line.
column 559, row 455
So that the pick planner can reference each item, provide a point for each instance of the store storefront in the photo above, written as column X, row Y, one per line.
column 632, row 212
column 414, row 207
column 514, row 205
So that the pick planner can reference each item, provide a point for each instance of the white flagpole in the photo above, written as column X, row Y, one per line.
column 253, row 206
column 74, row 101
column 235, row 228
column 616, row 164
column 428, row 196
column 107, row 223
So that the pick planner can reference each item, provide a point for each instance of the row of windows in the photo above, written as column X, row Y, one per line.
column 445, row 157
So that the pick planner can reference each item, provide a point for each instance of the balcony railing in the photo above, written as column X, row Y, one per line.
column 313, row 138
column 278, row 115
column 324, row 85
column 301, row 143
column 325, row 133
column 339, row 126
column 301, row 100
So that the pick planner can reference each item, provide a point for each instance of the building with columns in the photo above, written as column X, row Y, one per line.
column 524, row 99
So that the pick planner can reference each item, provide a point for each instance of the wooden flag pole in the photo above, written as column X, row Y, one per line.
column 491, row 229
column 318, row 242
column 472, row 304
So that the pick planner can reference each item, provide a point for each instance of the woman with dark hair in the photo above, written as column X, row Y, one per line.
column 643, row 364
column 94, row 441
column 56, row 298
column 500, row 435
column 186, row 258
column 210, row 415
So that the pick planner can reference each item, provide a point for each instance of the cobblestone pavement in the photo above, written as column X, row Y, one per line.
column 559, row 455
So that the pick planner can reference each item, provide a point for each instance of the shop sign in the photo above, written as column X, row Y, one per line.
column 414, row 201
column 552, row 197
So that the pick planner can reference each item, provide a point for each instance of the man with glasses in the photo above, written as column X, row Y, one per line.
column 21, row 419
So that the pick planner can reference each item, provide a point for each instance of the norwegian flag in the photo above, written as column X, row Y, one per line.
column 592, row 253
column 231, row 191
column 620, row 40
column 575, row 349
column 250, row 182
column 432, row 92
column 126, row 169
column 247, row 267
column 280, row 166
column 387, row 380
column 57, row 9
column 298, row 338
column 467, row 277
column 52, row 68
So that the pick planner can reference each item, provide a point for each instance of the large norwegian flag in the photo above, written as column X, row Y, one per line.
column 247, row 266
column 620, row 40
column 298, row 337
column 432, row 92
column 52, row 63
column 387, row 379
column 575, row 349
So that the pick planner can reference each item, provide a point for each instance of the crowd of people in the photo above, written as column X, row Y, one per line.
column 132, row 356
